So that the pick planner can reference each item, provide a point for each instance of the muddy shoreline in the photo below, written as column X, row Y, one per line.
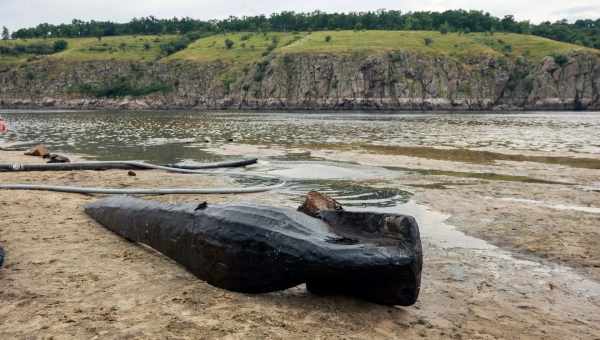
column 539, row 279
column 512, row 204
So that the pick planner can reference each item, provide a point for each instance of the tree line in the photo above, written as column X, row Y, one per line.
column 582, row 32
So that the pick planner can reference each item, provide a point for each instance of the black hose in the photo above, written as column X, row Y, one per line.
column 141, row 191
column 121, row 165
column 226, row 164
column 133, row 191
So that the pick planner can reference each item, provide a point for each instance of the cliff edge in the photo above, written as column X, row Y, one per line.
column 347, row 70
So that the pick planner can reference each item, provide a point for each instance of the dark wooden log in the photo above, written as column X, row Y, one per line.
column 259, row 249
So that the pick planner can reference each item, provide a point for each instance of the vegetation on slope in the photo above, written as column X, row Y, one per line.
column 238, row 48
column 532, row 47
column 120, row 87
column 253, row 47
column 84, row 49
column 581, row 32
column 242, row 49
column 423, row 42
column 115, row 48
column 16, row 51
column 35, row 48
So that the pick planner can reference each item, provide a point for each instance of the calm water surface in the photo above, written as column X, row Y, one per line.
column 167, row 137
column 173, row 136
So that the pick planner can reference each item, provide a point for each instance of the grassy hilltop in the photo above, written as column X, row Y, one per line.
column 352, row 69
column 248, row 48
column 84, row 49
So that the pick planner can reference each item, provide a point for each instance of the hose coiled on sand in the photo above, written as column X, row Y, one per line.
column 138, row 191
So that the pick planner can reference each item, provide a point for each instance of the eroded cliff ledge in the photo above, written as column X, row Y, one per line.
column 311, row 81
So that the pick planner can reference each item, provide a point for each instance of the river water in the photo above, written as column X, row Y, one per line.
column 169, row 137
column 161, row 136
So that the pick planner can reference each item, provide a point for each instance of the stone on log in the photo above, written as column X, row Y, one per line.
column 258, row 249
column 38, row 151
column 316, row 202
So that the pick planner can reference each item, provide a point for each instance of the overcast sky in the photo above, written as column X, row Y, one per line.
column 24, row 13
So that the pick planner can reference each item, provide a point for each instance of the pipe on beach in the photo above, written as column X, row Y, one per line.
column 123, row 165
column 140, row 191
column 140, row 165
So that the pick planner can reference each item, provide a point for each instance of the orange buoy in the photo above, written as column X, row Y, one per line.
column 3, row 126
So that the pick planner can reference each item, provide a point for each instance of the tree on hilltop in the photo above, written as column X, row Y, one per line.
column 5, row 33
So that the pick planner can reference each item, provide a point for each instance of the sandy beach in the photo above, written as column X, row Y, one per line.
column 67, row 277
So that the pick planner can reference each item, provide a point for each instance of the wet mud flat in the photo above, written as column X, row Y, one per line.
column 541, row 208
column 67, row 277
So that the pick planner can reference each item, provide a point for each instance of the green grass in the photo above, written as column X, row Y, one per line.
column 387, row 41
column 459, row 46
column 136, row 48
column 11, row 60
column 243, row 52
column 114, row 48
column 451, row 44
column 528, row 45
column 249, row 48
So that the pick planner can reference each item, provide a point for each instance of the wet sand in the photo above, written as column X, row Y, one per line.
column 67, row 277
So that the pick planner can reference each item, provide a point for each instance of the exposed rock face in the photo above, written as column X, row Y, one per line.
column 394, row 81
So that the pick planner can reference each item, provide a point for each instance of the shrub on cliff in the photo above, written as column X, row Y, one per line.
column 261, row 69
column 120, row 87
column 60, row 45
column 560, row 59
column 271, row 46
column 181, row 43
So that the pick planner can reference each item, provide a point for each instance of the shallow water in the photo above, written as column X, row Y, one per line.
column 168, row 136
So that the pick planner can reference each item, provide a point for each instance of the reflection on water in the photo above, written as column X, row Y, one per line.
column 162, row 136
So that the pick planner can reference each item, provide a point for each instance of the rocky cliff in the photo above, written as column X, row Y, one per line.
column 310, row 81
